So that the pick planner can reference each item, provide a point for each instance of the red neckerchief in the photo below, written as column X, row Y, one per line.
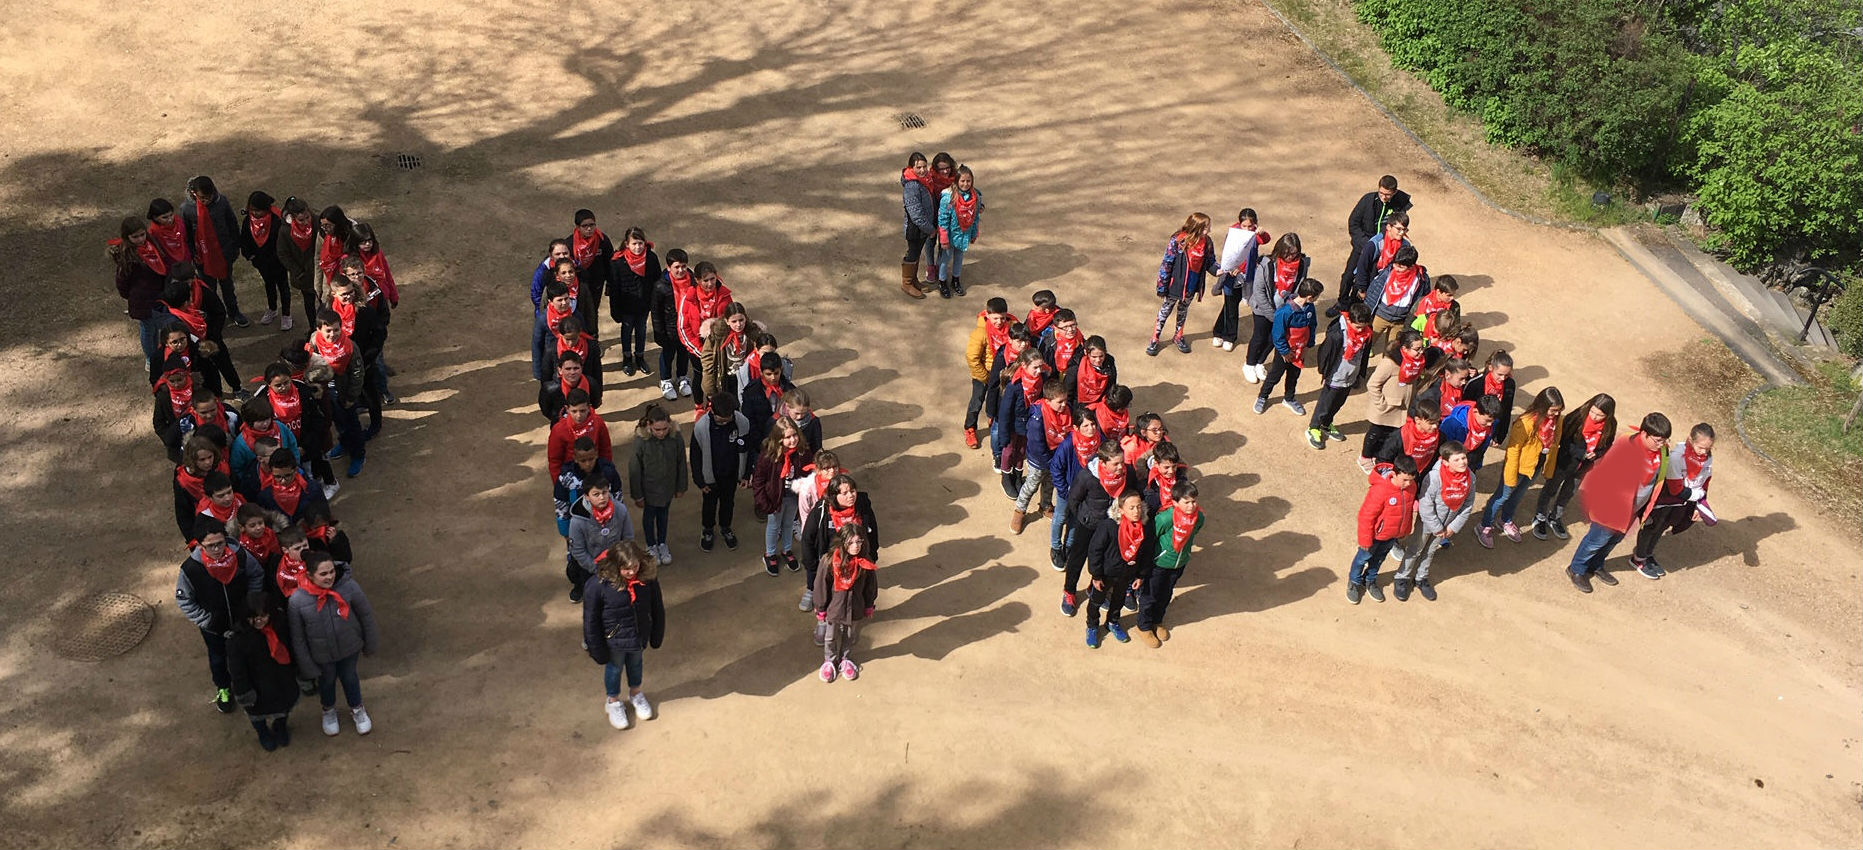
column 1084, row 450
column 1182, row 526
column 1064, row 350
column 147, row 253
column 1455, row 487
column 787, row 469
column 1387, row 251
column 998, row 337
column 1037, row 321
column 173, row 241
column 336, row 353
column 1112, row 478
column 1115, row 424
column 1400, row 285
column 1448, row 396
column 1193, row 255
column 321, row 533
column 330, row 255
column 207, row 244
column 191, row 312
column 1409, row 367
column 1031, row 384
column 1592, row 430
column 582, row 250
column 965, row 208
column 847, row 568
column 939, row 182
column 581, row 383
column 1131, row 536
column 1089, row 384
column 927, row 181
column 324, row 594
column 1163, row 478
column 1477, row 432
column 288, row 496
column 223, row 568
column 180, row 351
column 577, row 432
column 1692, row 463
column 265, row 477
column 602, row 515
column 1355, row 340
column 580, row 346
column 1136, row 446
column 1433, row 303
column 178, row 400
column 1495, row 387
column 711, row 304
column 250, row 434
column 219, row 418
column 736, row 346
column 821, row 485
column 261, row 226
column 288, row 407
column 262, row 547
column 772, row 390
column 375, row 267
column 302, row 235
column 195, row 485
column 290, row 573
column 1418, row 444
column 1548, row 431
column 680, row 282
column 553, row 319
column 346, row 311
column 274, row 646
column 636, row 263
column 1286, row 274
column 1055, row 426
column 838, row 517
column 1297, row 339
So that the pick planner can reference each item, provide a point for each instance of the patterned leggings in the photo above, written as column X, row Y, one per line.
column 1182, row 305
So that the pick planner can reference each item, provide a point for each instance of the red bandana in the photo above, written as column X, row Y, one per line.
column 580, row 346
column 1410, row 367
column 1131, row 536
column 288, row 496
column 577, row 432
column 375, row 266
column 287, row 407
column 602, row 515
column 1183, row 524
column 179, row 400
column 582, row 250
column 1387, row 251
column 838, row 516
column 1652, row 463
column 274, row 646
column 1433, row 303
column 998, row 337
column 1448, row 395
column 147, row 253
column 1455, row 487
column 290, row 573
column 1031, row 383
column 194, row 484
column 965, row 208
column 173, row 241
column 681, row 282
column 1054, row 426
column 345, row 311
column 330, row 256
column 847, row 568
column 636, row 263
column 1193, row 256
column 1418, row 445
column 1493, row 386
column 1355, row 339
column 1477, row 432
column 1592, row 431
column 1692, row 463
column 334, row 352
column 552, row 318
column 1286, row 274
column 1549, row 431
column 262, row 547
column 821, row 484
column 1113, row 425
column 1085, row 449
column 207, row 244
column 1401, row 285
column 324, row 594
column 223, row 568
column 1036, row 322
column 1064, row 350
column 1089, row 384
column 206, row 507
column 261, row 226
column 1297, row 339
column 1112, row 478
column 303, row 231
column 581, row 383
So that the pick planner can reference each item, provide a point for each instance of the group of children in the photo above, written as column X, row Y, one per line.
column 268, row 577
column 944, row 212
column 752, row 429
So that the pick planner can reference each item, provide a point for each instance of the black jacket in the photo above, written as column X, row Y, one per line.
column 263, row 257
column 630, row 294
column 550, row 394
column 261, row 685
column 1087, row 501
column 225, row 226
column 1471, row 391
column 1104, row 560
column 213, row 606
column 614, row 621
column 1071, row 381
column 756, row 406
column 1368, row 216
column 663, row 308
column 818, row 534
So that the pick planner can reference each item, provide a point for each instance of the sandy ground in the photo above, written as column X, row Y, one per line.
column 1512, row 712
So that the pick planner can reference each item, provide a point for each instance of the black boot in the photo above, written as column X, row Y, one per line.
column 944, row 291
column 957, row 286
column 265, row 735
column 281, row 731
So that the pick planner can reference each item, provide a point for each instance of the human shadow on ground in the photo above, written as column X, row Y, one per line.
column 941, row 561
column 1023, row 267
column 940, row 639
column 1243, row 575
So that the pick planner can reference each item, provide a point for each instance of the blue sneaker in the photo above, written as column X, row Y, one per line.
column 1093, row 638
column 1119, row 632
column 334, row 453
column 1069, row 604
column 355, row 467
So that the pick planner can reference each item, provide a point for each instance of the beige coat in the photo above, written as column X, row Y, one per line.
column 1390, row 399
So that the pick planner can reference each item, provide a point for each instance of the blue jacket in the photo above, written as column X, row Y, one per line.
column 1367, row 267
column 921, row 211
column 1454, row 427
column 1012, row 412
column 1039, row 453
column 947, row 222
column 538, row 280
column 1064, row 466
column 1374, row 295
column 1292, row 316
column 245, row 466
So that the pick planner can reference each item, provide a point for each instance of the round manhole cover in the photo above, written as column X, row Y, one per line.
column 103, row 626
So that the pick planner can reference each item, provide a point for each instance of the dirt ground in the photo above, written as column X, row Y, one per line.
column 1718, row 707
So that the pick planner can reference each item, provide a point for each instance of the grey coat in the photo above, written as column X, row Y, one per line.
column 324, row 637
column 921, row 211
column 1435, row 513
column 588, row 538
column 1261, row 288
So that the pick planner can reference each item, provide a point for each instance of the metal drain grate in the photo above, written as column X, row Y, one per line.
column 103, row 626
column 909, row 120
column 407, row 161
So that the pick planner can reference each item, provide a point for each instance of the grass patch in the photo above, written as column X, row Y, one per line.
column 1802, row 428
column 1514, row 180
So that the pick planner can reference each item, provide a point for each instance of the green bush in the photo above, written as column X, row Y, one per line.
column 1844, row 319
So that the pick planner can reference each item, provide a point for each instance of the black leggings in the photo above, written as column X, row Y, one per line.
column 1228, row 326
column 674, row 360
column 1375, row 437
column 1262, row 342
column 1277, row 370
column 915, row 245
column 277, row 289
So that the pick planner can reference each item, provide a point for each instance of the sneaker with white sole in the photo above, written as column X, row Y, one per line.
column 1248, row 374
column 685, row 386
column 329, row 723
column 284, row 323
column 1261, row 405
column 1229, row 346
column 361, row 716
column 1511, row 530
column 1485, row 536
column 667, row 391
column 1316, row 438
column 329, row 491
column 267, row 318
column 849, row 670
column 1215, row 343
column 808, row 601
column 617, row 713
column 1335, row 434
column 827, row 672
column 642, row 708
column 665, row 555
column 1559, row 529
column 1295, row 406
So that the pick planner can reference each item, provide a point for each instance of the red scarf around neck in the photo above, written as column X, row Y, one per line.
column 1692, row 462
column 179, row 400
column 1410, row 366
column 1113, row 424
column 1548, row 431
column 1183, row 524
column 262, row 547
column 1036, row 321
column 1387, row 251
column 636, row 263
column 1112, row 478
column 1355, row 339
column 330, row 256
column 1089, row 384
column 1085, row 448
column 326, row 594
column 1194, row 254
column 288, row 407
column 1055, row 426
column 839, row 516
column 1163, row 478
column 1286, row 274
column 223, row 568
column 1493, row 386
column 275, row 647
column 334, row 352
column 1064, row 350
column 1131, row 537
column 290, row 573
column 602, row 515
column 1420, row 446
column 1592, row 431
column 583, row 250
column 847, row 568
column 680, row 282
column 147, row 253
column 1030, row 381
column 303, row 231
column 580, row 346
column 1401, row 284
column 1455, row 487
column 173, row 241
column 346, row 311
column 207, row 243
column 1297, row 339
column 964, row 206
column 821, row 484
column 1477, row 433
column 998, row 336
column 207, row 507
column 287, row 496
column 261, row 226
column 577, row 432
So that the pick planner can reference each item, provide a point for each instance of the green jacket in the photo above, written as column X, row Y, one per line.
column 1169, row 558
column 656, row 469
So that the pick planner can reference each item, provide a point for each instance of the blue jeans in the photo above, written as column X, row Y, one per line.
column 634, row 335
column 345, row 670
column 1061, row 533
column 147, row 333
column 1504, row 501
column 950, row 262
column 779, row 529
column 653, row 524
column 611, row 674
column 1366, row 563
column 674, row 361
column 1593, row 549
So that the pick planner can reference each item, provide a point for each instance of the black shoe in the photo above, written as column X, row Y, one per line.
column 223, row 701
column 266, row 739
column 1374, row 591
column 1607, row 578
column 1058, row 557
column 1558, row 529
column 390, row 398
column 730, row 538
column 957, row 286
column 1541, row 529
column 575, row 593
column 627, row 366
column 1011, row 488
column 1426, row 590
column 789, row 559
column 1152, row 349
column 281, row 731
column 1353, row 592
column 705, row 540
column 1401, row 589
column 1183, row 345
column 241, row 320
column 944, row 289
column 1583, row 583
column 769, row 566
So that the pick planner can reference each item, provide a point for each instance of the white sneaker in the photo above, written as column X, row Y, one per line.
column 268, row 317
column 1215, row 343
column 666, row 390
column 284, row 323
column 1248, row 374
column 361, row 716
column 617, row 713
column 329, row 491
column 665, row 555
column 1228, row 346
column 329, row 722
column 808, row 601
column 642, row 707
column 685, row 386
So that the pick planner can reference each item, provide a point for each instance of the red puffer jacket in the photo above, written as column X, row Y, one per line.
column 1389, row 511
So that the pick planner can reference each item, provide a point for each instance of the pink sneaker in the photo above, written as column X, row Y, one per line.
column 849, row 670
column 827, row 672
column 1511, row 530
column 1485, row 536
column 1707, row 515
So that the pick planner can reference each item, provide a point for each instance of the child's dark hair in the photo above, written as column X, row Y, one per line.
column 1083, row 416
column 1309, row 288
column 583, row 444
column 1183, row 490
column 1449, row 449
column 277, row 370
column 1247, row 214
column 1489, row 406
column 204, row 185
column 1146, row 419
column 291, row 535
column 1446, row 284
column 723, row 404
column 653, row 414
column 1406, row 256
column 1404, row 465
column 1397, row 218
column 914, row 159
column 1426, row 412
column 260, row 201
column 1548, row 399
column 249, row 512
column 1701, row 429
column 1111, row 452
column 1020, row 333
column 361, row 233
column 217, row 481
column 1096, row 341
column 205, row 525
column 677, row 255
column 1052, row 390
column 761, row 339
column 570, row 327
column 335, row 215
column 579, row 397
column 1118, row 397
column 584, row 215
column 1387, row 182
column 295, row 205
column 177, row 292
column 598, row 482
column 160, row 207
column 555, row 289
column 1400, row 341
column 327, row 316
column 568, row 357
column 1043, row 298
column 1359, row 313
column 1166, row 452
column 632, row 234
column 703, row 269
column 255, row 409
column 942, row 158
column 282, row 458
column 1655, row 425
column 1064, row 315
column 1500, row 357
column 996, row 305
column 1470, row 337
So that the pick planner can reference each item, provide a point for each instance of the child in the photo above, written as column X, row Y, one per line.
column 329, row 347
column 705, row 300
column 288, row 572
column 623, row 613
column 335, row 226
column 259, row 238
column 1376, row 255
column 579, row 420
column 211, row 591
column 1388, row 391
column 1683, row 496
column 656, row 475
column 1474, row 425
column 257, row 423
column 193, row 304
column 559, row 303
column 1393, row 292
column 1293, row 333
column 1443, row 389
column 1162, row 470
column 1341, row 362
column 1235, row 276
column 663, row 307
column 363, row 246
column 845, row 591
column 297, row 407
column 1441, row 327
column 1119, row 559
column 168, row 233
column 1188, row 257
column 1384, row 519
column 1048, row 426
column 256, row 535
column 783, row 460
column 553, row 396
column 1621, row 488
column 569, row 338
column 1060, row 343
column 1041, row 312
column 200, row 458
column 1068, row 462
column 1535, row 435
column 332, row 627
column 297, row 252
column 719, row 462
column 987, row 341
column 726, row 348
column 842, row 505
column 960, row 213
column 289, row 494
column 1090, row 374
column 1274, row 284
column 1441, row 299
column 1175, row 530
column 1445, row 506
column 634, row 272
column 802, row 410
column 174, row 405
column 568, row 485
column 258, row 660
column 1145, row 436
column 1496, row 378
column 921, row 222
column 596, row 524
column 1008, row 443
column 214, row 236
column 220, row 503
column 763, row 400
column 762, row 342
column 592, row 253
column 140, row 273
column 809, row 489
column 323, row 535
column 1587, row 435
column 1090, row 499
column 366, row 327
column 1114, row 413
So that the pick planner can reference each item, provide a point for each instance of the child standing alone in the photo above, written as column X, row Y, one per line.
column 623, row 614
column 846, row 589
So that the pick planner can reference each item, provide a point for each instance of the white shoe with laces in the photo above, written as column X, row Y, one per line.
column 685, row 386
column 665, row 555
column 329, row 722
column 667, row 391
column 361, row 716
column 617, row 713
column 329, row 491
column 642, row 707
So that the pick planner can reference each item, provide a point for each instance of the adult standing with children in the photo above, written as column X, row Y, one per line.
column 921, row 222
column 1368, row 218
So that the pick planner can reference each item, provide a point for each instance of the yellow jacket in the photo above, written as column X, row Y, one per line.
column 977, row 353
column 1523, row 450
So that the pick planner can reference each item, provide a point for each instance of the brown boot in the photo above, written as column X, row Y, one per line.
column 1016, row 520
column 1163, row 633
column 1151, row 638
column 909, row 280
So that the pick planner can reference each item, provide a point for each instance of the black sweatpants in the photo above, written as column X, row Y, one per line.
column 718, row 506
column 1114, row 596
column 1671, row 518
column 1331, row 400
column 1261, row 342
column 1280, row 371
column 1228, row 326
